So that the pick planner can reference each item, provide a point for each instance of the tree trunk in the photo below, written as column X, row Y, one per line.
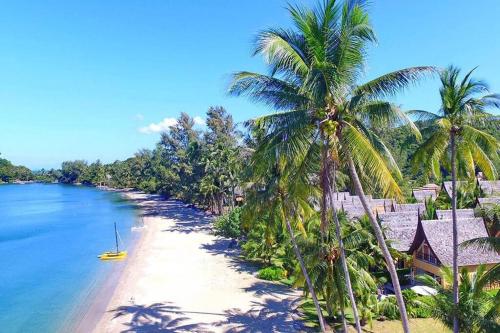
column 325, row 186
column 219, row 203
column 455, row 231
column 232, row 197
column 304, row 272
column 342, row 255
column 383, row 246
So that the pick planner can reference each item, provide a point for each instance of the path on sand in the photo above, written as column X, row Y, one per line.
column 181, row 278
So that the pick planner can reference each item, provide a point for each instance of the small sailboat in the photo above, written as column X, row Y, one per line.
column 117, row 255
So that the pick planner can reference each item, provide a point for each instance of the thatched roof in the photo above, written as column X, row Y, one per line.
column 431, row 186
column 445, row 214
column 490, row 187
column 353, row 210
column 400, row 228
column 424, row 194
column 488, row 201
column 340, row 195
column 447, row 186
column 438, row 234
column 420, row 207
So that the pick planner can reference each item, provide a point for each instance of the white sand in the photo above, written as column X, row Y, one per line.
column 180, row 278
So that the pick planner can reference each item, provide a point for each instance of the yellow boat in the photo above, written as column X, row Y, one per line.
column 114, row 255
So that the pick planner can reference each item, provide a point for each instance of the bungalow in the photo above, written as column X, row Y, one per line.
column 432, row 247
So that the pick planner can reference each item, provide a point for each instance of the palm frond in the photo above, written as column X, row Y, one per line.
column 381, row 114
column 265, row 89
column 392, row 83
column 369, row 160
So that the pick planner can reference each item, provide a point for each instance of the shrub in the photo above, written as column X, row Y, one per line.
column 148, row 186
column 388, row 308
column 272, row 273
column 229, row 225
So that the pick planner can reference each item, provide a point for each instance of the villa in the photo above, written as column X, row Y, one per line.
column 432, row 247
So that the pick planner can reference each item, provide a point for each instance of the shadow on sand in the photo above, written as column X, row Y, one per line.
column 266, row 316
column 275, row 312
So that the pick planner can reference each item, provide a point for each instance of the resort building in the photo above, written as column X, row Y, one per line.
column 432, row 247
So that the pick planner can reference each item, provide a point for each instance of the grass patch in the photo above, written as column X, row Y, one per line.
column 417, row 325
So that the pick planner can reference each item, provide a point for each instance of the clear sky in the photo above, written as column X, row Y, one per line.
column 86, row 79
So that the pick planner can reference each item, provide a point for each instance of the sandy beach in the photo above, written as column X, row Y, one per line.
column 181, row 278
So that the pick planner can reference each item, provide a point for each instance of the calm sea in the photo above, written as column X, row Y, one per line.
column 50, row 236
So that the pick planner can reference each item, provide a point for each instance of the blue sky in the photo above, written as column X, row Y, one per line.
column 79, row 79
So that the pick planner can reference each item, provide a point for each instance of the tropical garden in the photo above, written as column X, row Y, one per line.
column 273, row 180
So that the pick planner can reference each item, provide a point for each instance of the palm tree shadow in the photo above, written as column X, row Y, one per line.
column 223, row 247
column 267, row 316
column 157, row 317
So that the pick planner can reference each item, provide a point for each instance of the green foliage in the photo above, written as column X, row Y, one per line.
column 388, row 308
column 229, row 224
column 477, row 310
column 202, row 167
column 10, row 172
column 272, row 273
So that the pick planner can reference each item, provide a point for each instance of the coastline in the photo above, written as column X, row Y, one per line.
column 90, row 309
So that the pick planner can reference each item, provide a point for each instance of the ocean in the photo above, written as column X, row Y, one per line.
column 50, row 236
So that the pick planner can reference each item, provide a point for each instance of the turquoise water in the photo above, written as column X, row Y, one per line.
column 50, row 236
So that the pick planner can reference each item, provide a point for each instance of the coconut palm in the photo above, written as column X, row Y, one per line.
column 477, row 310
column 314, row 70
column 286, row 202
column 453, row 131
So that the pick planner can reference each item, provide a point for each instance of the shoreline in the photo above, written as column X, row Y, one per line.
column 91, row 308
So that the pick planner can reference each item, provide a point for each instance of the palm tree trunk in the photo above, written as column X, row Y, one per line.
column 232, row 197
column 341, row 296
column 455, row 231
column 304, row 272
column 342, row 256
column 381, row 243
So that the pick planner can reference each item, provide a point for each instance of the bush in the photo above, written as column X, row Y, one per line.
column 148, row 186
column 388, row 308
column 272, row 273
column 229, row 225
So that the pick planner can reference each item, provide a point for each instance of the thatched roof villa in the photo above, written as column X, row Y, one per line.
column 432, row 247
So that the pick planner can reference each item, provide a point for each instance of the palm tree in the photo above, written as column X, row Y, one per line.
column 453, row 128
column 286, row 201
column 314, row 70
column 477, row 310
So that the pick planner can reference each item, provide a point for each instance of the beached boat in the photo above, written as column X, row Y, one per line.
column 114, row 255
